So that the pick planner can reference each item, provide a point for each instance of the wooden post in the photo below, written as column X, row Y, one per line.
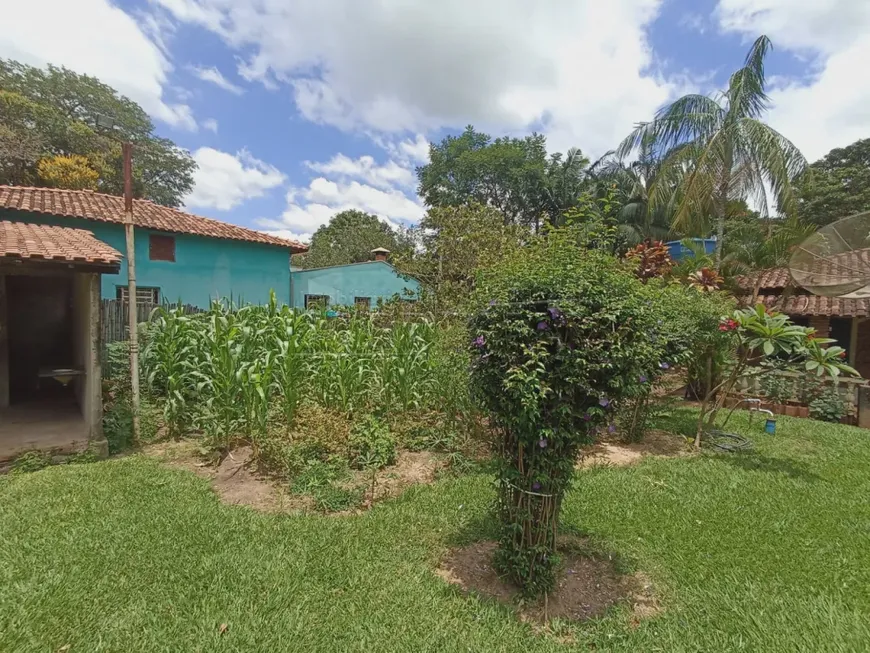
column 131, row 285
column 853, row 342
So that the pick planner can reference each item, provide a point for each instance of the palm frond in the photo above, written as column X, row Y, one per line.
column 746, row 95
column 687, row 119
column 776, row 159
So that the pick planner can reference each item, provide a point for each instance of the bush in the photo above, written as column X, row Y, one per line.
column 371, row 445
column 828, row 406
column 777, row 388
column 561, row 337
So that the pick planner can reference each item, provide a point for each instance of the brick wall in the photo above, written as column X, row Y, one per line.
column 822, row 325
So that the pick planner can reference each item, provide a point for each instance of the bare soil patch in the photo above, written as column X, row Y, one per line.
column 237, row 483
column 233, row 480
column 587, row 586
column 618, row 454
column 411, row 468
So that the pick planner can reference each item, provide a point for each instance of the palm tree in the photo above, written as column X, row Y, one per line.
column 634, row 181
column 718, row 149
column 564, row 182
column 754, row 248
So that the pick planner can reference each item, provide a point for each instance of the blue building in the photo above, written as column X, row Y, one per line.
column 679, row 251
column 178, row 255
column 361, row 284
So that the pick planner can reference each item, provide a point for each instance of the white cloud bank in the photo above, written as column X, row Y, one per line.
column 578, row 71
column 830, row 108
column 223, row 181
column 96, row 38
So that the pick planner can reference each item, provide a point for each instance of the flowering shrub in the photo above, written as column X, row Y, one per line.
column 561, row 337
column 766, row 340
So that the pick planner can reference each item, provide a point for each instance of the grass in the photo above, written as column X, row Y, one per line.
column 765, row 551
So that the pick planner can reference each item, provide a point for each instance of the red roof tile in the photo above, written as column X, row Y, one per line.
column 773, row 278
column 20, row 240
column 816, row 305
column 110, row 208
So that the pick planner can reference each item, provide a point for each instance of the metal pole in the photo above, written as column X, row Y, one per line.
column 127, row 150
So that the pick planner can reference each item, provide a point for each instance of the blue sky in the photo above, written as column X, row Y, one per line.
column 296, row 109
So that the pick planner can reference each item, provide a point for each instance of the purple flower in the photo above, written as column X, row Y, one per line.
column 554, row 312
column 604, row 402
column 664, row 366
column 611, row 428
column 587, row 417
column 542, row 443
column 536, row 486
column 492, row 302
column 572, row 346
column 543, row 326
column 479, row 342
column 642, row 378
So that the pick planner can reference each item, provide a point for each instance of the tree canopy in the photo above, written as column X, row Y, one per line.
column 349, row 237
column 836, row 186
column 48, row 121
column 719, row 150
column 512, row 175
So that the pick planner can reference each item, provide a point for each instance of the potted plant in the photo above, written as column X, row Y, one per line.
column 778, row 390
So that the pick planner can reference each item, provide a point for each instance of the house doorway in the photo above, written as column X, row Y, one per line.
column 44, row 320
column 40, row 337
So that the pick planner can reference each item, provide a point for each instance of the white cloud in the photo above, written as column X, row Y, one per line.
column 210, row 124
column 578, row 71
column 96, row 38
column 312, row 206
column 386, row 176
column 223, row 180
column 216, row 77
column 829, row 108
column 416, row 150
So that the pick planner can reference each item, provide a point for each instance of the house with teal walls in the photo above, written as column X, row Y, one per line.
column 361, row 284
column 178, row 255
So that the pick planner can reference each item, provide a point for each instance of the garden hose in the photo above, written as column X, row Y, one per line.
column 723, row 441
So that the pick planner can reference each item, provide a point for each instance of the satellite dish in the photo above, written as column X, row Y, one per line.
column 835, row 261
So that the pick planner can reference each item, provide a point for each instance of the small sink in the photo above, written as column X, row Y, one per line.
column 62, row 375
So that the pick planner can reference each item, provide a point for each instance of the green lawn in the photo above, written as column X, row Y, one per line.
column 766, row 551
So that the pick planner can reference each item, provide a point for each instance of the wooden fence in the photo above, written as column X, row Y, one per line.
column 114, row 325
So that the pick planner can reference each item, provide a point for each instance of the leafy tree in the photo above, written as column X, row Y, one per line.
column 511, row 175
column 565, row 180
column 837, row 186
column 349, row 237
column 59, row 109
column 718, row 150
column 452, row 244
column 73, row 172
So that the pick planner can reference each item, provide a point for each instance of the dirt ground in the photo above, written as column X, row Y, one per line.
column 236, row 483
column 587, row 586
column 617, row 454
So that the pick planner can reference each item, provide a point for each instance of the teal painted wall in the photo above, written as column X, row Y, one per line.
column 344, row 282
column 204, row 268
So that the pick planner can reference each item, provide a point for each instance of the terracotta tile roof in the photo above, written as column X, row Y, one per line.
column 20, row 240
column 110, row 208
column 818, row 305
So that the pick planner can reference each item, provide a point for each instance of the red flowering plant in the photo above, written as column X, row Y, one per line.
column 765, row 340
column 652, row 259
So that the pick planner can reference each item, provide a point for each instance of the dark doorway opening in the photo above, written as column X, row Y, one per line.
column 40, row 316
